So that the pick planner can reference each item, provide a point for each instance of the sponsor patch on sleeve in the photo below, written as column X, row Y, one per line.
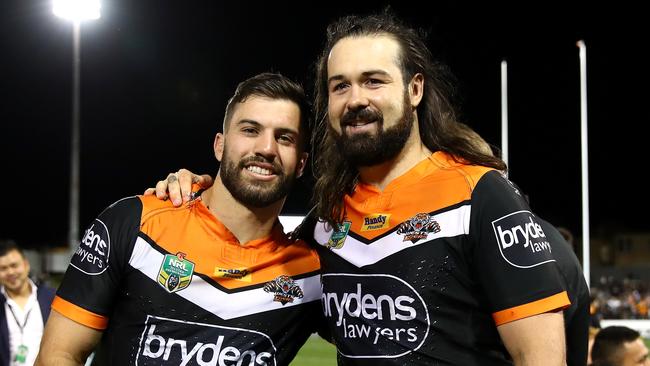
column 521, row 240
column 91, row 257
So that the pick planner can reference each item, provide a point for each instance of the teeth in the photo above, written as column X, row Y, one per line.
column 258, row 170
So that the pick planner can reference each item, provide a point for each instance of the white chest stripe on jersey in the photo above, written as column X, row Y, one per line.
column 452, row 223
column 224, row 305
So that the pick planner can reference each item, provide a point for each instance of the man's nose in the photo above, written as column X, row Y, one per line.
column 357, row 98
column 267, row 146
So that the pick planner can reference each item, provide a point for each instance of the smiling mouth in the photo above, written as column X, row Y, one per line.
column 358, row 123
column 259, row 170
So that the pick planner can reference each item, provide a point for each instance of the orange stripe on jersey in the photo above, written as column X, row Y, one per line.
column 452, row 183
column 215, row 251
column 555, row 302
column 78, row 314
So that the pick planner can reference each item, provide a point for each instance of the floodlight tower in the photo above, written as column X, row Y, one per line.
column 75, row 11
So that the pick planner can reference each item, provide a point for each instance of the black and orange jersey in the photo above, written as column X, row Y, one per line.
column 173, row 286
column 424, row 271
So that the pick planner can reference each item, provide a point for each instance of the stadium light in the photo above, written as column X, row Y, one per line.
column 75, row 11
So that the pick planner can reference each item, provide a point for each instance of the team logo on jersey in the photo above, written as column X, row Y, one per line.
column 337, row 239
column 375, row 222
column 175, row 272
column 418, row 227
column 284, row 288
column 241, row 274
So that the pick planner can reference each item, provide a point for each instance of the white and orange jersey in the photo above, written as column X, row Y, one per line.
column 174, row 286
column 424, row 271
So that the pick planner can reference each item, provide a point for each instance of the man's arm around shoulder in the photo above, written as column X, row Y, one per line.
column 536, row 340
column 66, row 342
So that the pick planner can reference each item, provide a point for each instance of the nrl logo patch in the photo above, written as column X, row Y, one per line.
column 337, row 239
column 418, row 227
column 284, row 288
column 175, row 272
column 375, row 222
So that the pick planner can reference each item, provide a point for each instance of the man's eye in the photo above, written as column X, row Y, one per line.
column 286, row 139
column 339, row 86
column 374, row 81
column 249, row 130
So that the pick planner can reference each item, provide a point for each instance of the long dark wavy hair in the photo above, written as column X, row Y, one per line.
column 437, row 117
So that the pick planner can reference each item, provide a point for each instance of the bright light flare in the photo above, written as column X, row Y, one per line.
column 76, row 10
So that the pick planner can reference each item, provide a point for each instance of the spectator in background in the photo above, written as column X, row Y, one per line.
column 619, row 346
column 615, row 298
column 24, row 308
column 595, row 313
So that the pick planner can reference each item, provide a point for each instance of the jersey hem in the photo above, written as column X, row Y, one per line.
column 554, row 302
column 78, row 314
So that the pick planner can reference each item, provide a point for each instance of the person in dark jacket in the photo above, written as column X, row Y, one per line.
column 24, row 308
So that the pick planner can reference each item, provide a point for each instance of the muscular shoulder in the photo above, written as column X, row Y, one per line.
column 456, row 173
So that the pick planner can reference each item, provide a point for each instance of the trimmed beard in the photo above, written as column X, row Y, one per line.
column 368, row 149
column 254, row 194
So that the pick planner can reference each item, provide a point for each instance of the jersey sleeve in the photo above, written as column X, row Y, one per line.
column 513, row 255
column 92, row 280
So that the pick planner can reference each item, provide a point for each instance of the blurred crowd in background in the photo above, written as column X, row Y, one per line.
column 619, row 298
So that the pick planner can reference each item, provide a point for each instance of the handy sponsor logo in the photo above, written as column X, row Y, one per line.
column 241, row 274
column 175, row 342
column 374, row 316
column 521, row 240
column 92, row 254
column 375, row 222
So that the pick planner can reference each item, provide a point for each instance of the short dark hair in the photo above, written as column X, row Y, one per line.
column 608, row 343
column 273, row 86
column 7, row 245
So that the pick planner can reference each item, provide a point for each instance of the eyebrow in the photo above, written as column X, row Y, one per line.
column 365, row 74
column 259, row 125
column 248, row 121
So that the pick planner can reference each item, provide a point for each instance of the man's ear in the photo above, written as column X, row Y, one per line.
column 416, row 89
column 219, row 140
column 302, row 163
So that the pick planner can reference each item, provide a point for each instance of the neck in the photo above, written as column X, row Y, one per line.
column 22, row 292
column 246, row 223
column 381, row 175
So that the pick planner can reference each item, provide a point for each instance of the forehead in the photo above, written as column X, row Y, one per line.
column 634, row 351
column 273, row 113
column 353, row 55
column 11, row 256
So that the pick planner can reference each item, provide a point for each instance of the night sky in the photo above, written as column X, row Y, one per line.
column 156, row 77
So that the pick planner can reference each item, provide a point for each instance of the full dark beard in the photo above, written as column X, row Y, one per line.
column 254, row 193
column 366, row 149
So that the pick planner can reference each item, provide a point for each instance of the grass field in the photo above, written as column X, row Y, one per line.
column 316, row 352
